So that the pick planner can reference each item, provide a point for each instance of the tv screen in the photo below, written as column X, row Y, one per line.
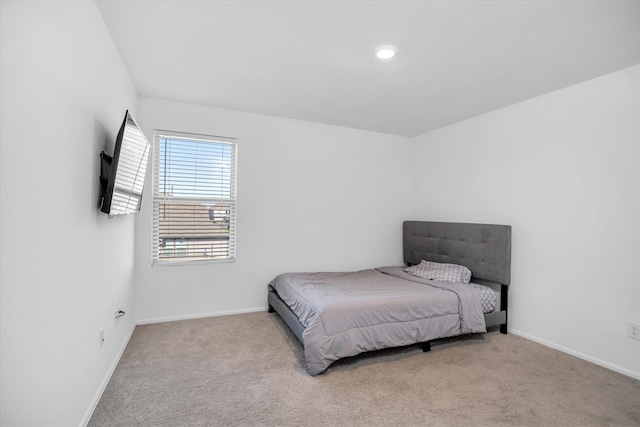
column 122, row 175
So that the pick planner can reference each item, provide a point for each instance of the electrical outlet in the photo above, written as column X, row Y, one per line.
column 633, row 330
column 101, row 335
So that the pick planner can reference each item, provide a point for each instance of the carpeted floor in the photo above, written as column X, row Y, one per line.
column 248, row 370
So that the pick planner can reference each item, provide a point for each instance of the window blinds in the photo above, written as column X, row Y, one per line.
column 194, row 192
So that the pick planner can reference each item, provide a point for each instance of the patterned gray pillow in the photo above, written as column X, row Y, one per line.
column 441, row 272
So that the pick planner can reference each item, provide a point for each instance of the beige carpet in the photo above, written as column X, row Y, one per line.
column 248, row 370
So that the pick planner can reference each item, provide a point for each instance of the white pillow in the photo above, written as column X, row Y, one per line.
column 441, row 272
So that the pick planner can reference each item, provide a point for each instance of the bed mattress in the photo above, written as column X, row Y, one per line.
column 345, row 314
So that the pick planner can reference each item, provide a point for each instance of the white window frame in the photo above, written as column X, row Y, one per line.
column 163, row 199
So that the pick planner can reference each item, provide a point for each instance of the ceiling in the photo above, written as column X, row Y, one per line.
column 315, row 60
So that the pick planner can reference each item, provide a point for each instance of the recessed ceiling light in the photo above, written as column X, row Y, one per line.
column 386, row 51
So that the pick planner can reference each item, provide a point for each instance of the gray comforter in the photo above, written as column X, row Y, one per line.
column 345, row 314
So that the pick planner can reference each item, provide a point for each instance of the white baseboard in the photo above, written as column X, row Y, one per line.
column 613, row 367
column 199, row 316
column 105, row 381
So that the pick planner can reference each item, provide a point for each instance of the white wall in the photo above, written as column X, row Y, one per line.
column 564, row 170
column 65, row 267
column 310, row 197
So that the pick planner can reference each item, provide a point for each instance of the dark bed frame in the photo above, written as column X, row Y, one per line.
column 485, row 249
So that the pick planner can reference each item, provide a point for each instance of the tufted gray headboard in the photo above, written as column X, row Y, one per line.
column 485, row 249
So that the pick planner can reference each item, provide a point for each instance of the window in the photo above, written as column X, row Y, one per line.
column 194, row 198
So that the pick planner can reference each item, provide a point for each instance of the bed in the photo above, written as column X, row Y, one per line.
column 342, row 314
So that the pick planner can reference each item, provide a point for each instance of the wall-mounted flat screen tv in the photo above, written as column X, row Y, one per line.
column 122, row 175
